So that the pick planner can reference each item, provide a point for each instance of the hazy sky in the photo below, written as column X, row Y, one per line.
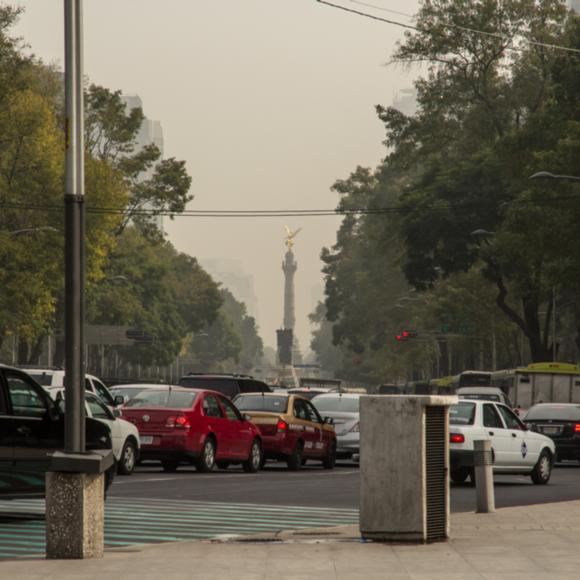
column 268, row 101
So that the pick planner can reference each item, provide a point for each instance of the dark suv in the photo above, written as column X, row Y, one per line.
column 31, row 429
column 228, row 385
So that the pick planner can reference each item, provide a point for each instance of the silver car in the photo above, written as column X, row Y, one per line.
column 343, row 408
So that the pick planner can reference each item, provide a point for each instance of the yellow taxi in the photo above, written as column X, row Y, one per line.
column 292, row 429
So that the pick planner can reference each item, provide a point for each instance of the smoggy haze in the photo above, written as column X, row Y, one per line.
column 268, row 101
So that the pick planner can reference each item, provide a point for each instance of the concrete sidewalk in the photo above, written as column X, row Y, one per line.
column 527, row 543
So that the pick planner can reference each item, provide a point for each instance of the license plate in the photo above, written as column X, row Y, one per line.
column 147, row 440
column 550, row 430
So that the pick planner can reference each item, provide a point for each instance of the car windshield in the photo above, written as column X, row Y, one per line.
column 462, row 414
column 127, row 391
column 339, row 404
column 275, row 404
column 479, row 397
column 558, row 412
column 170, row 399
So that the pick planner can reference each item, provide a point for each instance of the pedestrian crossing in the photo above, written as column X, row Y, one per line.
column 131, row 521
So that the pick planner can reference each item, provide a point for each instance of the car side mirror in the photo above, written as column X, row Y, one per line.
column 121, row 399
column 117, row 413
column 328, row 420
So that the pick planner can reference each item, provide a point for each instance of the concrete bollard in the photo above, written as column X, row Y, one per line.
column 483, row 459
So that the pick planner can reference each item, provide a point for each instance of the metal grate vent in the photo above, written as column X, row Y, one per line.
column 436, row 473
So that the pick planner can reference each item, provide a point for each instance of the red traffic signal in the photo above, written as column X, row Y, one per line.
column 398, row 338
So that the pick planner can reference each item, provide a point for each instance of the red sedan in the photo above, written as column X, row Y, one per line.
column 198, row 426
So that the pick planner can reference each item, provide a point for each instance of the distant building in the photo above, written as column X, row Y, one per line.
column 406, row 101
column 574, row 5
column 231, row 274
column 150, row 132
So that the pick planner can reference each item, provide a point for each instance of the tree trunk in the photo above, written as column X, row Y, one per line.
column 36, row 351
column 58, row 356
column 22, row 355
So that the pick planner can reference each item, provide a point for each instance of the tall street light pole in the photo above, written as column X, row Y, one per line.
column 74, row 230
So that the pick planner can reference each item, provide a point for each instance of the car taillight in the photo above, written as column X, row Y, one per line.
column 577, row 428
column 456, row 438
column 282, row 425
column 180, row 422
column 355, row 428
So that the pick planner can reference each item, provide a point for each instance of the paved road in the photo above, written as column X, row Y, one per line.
column 152, row 506
column 314, row 486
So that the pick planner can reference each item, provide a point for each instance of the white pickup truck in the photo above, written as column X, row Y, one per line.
column 515, row 449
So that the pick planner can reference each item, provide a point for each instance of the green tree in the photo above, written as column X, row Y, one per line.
column 152, row 287
column 154, row 185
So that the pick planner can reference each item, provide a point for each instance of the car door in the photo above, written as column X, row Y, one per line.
column 238, row 432
column 524, row 449
column 320, row 436
column 98, row 410
column 35, row 434
column 498, row 434
column 304, row 423
column 217, row 424
column 6, row 445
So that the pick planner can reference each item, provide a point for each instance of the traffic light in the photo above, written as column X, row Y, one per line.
column 406, row 335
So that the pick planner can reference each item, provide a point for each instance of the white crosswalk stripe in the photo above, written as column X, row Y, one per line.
column 143, row 521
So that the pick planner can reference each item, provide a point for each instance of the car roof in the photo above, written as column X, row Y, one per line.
column 338, row 396
column 146, row 386
column 557, row 405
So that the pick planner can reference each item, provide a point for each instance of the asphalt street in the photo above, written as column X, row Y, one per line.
column 316, row 487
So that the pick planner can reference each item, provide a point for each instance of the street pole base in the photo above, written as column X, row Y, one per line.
column 75, row 515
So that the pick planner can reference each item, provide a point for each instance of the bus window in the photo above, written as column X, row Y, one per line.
column 475, row 379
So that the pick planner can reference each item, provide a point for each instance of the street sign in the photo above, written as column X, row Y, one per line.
column 112, row 335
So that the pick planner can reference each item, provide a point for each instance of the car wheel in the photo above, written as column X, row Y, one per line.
column 459, row 475
column 543, row 468
column 223, row 464
column 128, row 459
column 254, row 461
column 206, row 462
column 169, row 466
column 329, row 461
column 294, row 461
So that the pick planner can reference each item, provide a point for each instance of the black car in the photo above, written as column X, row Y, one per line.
column 31, row 430
column 560, row 422
column 228, row 385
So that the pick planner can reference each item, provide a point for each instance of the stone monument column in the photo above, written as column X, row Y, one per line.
column 289, row 267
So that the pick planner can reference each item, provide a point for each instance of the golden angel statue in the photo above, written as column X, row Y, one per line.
column 290, row 235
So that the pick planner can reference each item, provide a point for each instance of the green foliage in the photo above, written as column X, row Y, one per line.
column 150, row 286
column 154, row 185
column 488, row 117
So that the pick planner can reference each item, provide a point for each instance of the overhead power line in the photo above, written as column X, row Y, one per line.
column 435, row 207
column 497, row 35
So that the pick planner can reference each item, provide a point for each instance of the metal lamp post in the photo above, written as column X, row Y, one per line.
column 75, row 481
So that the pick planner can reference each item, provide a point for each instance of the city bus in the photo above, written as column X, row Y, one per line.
column 550, row 382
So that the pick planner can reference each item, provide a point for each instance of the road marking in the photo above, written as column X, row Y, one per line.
column 131, row 521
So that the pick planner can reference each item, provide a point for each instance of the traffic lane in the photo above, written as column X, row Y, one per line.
column 518, row 490
column 316, row 487
column 311, row 486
